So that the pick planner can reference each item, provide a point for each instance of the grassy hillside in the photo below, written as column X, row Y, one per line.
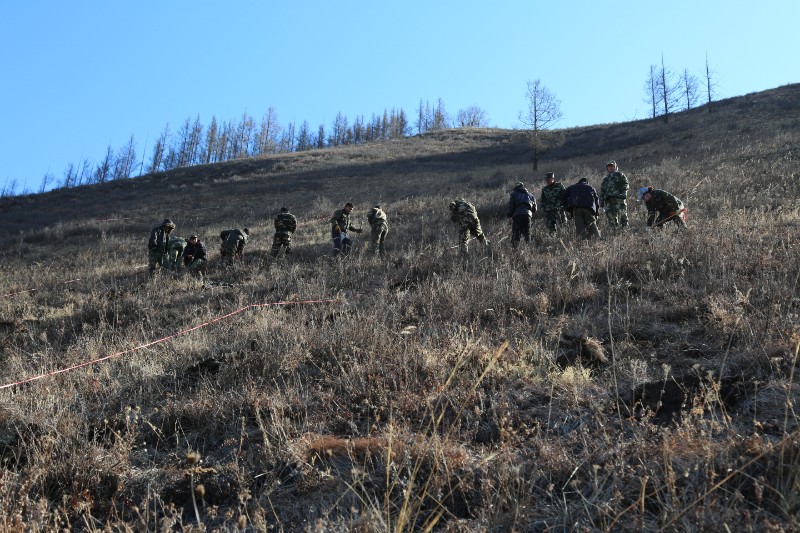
column 642, row 382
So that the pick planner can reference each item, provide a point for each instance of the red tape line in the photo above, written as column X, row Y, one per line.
column 158, row 341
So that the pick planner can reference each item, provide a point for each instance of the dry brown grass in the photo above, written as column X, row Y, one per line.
column 643, row 382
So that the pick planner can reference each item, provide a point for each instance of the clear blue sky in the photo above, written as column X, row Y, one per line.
column 80, row 76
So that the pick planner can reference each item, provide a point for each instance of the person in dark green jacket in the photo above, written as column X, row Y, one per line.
column 380, row 228
column 157, row 245
column 285, row 225
column 662, row 207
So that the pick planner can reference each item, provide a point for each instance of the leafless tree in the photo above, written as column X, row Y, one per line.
column 338, row 133
column 208, row 153
column 125, row 160
column 287, row 142
column 669, row 90
column 471, row 117
column 47, row 179
column 690, row 89
column 544, row 111
column 422, row 118
column 305, row 140
column 159, row 148
column 102, row 171
column 243, row 138
column 440, row 116
column 652, row 91
column 70, row 176
column 9, row 188
column 321, row 136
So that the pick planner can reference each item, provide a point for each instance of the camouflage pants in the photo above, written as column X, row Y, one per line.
column 520, row 228
column 554, row 217
column 173, row 260
column 470, row 228
column 197, row 267
column 616, row 212
column 585, row 222
column 379, row 231
column 156, row 257
column 227, row 255
column 281, row 239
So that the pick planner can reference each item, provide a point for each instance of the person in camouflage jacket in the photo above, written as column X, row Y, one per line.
column 233, row 243
column 552, row 207
column 613, row 196
column 521, row 207
column 380, row 228
column 340, row 225
column 174, row 253
column 285, row 224
column 465, row 215
column 157, row 245
column 662, row 207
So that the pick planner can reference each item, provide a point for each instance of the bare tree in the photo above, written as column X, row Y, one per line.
column 9, row 188
column 70, row 176
column 244, row 136
column 208, row 153
column 125, row 161
column 422, row 122
column 47, row 179
column 652, row 91
column 157, row 159
column 338, row 133
column 305, row 141
column 85, row 172
column 471, row 117
column 690, row 89
column 669, row 90
column 288, row 138
column 267, row 136
column 321, row 136
column 102, row 172
column 440, row 117
column 544, row 111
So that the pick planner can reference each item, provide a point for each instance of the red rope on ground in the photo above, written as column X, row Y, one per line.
column 158, row 341
column 34, row 290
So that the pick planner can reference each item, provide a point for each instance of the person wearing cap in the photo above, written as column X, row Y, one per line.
column 157, row 245
column 233, row 243
column 465, row 215
column 613, row 196
column 340, row 225
column 379, row 225
column 551, row 203
column 285, row 224
column 175, row 252
column 581, row 202
column 195, row 257
column 662, row 207
column 521, row 207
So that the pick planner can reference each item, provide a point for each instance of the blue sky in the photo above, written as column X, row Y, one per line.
column 80, row 76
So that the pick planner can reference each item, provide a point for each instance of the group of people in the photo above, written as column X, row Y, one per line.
column 169, row 251
column 580, row 202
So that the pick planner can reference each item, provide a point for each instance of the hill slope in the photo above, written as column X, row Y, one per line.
column 644, row 381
